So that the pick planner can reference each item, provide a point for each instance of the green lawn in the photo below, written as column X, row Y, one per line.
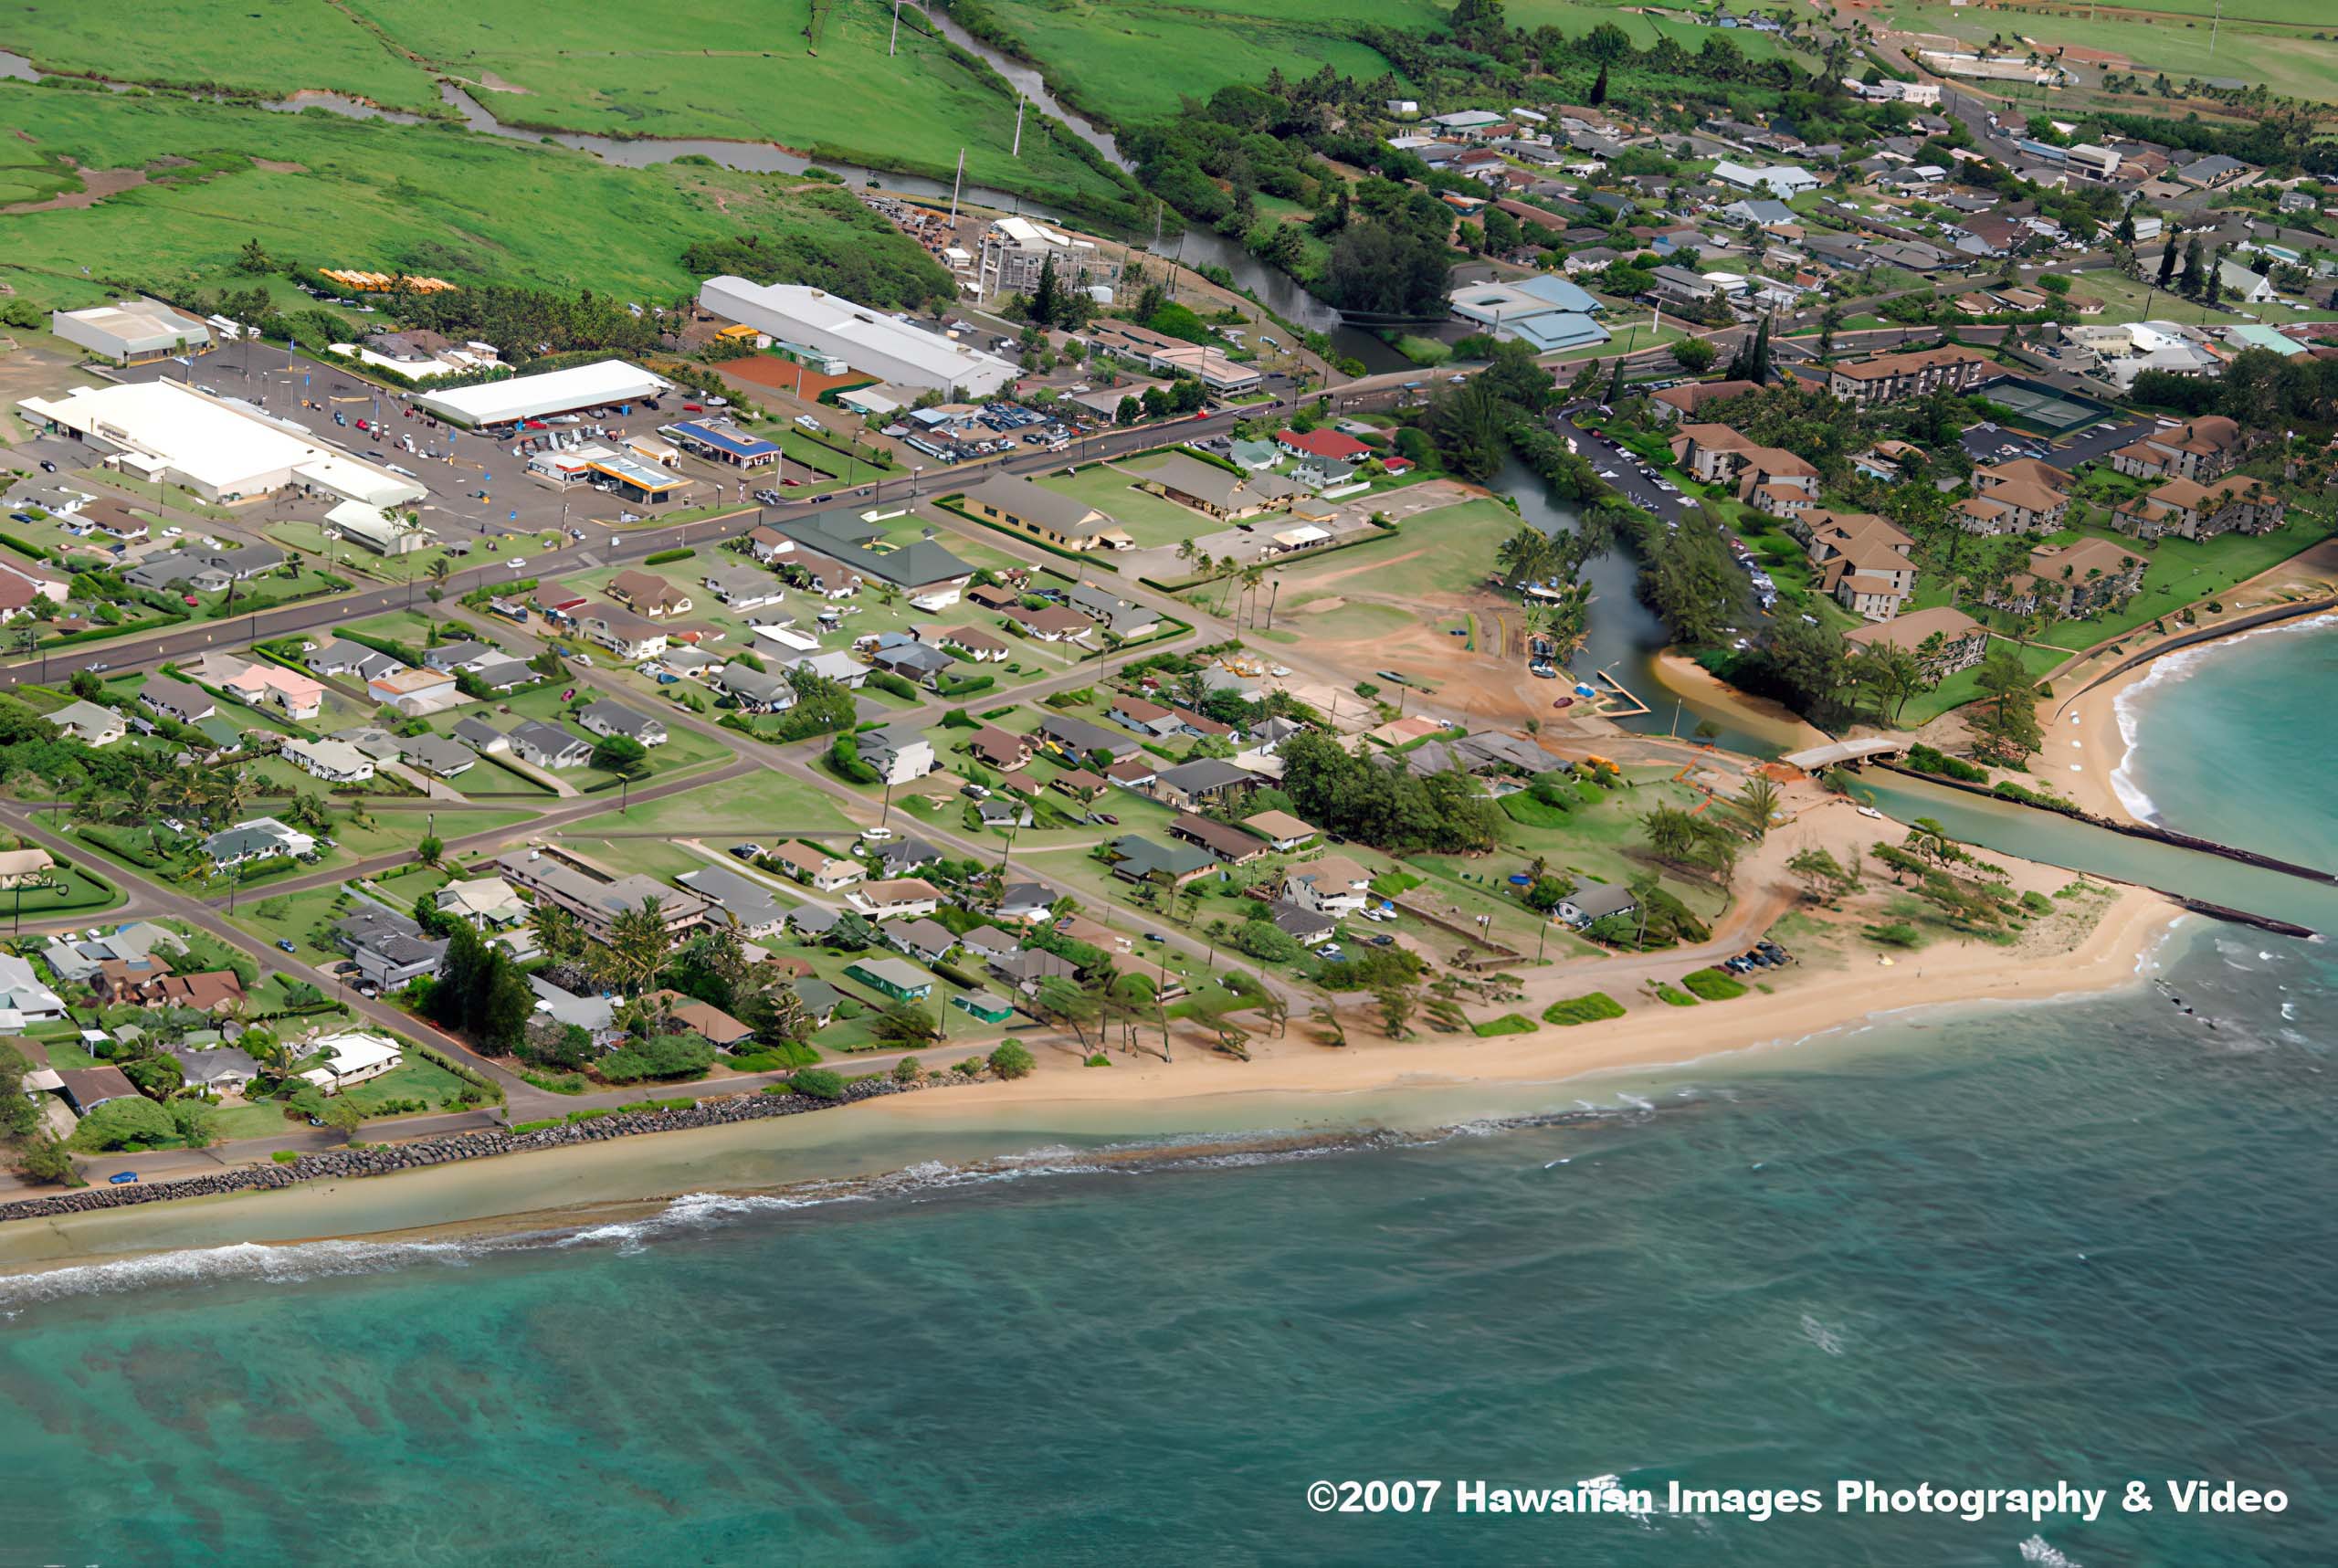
column 2126, row 299
column 656, row 857
column 1965, row 686
column 300, row 919
column 763, row 803
column 415, row 1079
column 1150, row 519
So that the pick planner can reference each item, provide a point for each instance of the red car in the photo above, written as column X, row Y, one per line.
column 1563, row 702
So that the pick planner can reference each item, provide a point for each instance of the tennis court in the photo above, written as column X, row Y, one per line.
column 2042, row 408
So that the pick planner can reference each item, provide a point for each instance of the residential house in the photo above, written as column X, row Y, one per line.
column 623, row 632
column 1077, row 739
column 744, row 588
column 483, row 903
column 271, row 686
column 86, row 1088
column 22, row 993
column 342, row 657
column 709, row 1022
column 754, row 691
column 1889, row 378
column 1281, row 830
column 438, row 755
column 463, row 654
column 997, row 747
column 542, row 745
column 975, row 644
column 904, row 856
column 89, row 723
column 222, row 1069
column 1121, row 619
column 1049, row 516
column 1332, row 885
column 608, row 718
column 891, row 978
column 913, row 661
column 1224, row 840
column 1596, row 902
column 1190, row 786
column 898, row 899
column 415, row 692
column 331, row 761
column 259, row 838
column 481, row 736
column 389, row 948
column 351, row 1059
column 1028, row 968
column 1140, row 859
column 922, row 939
column 647, row 593
column 809, row 864
column 176, row 699
column 899, row 752
column 1147, row 719
column 818, row 999
column 1054, row 624
column 747, row 905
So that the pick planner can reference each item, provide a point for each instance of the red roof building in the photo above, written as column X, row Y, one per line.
column 1323, row 444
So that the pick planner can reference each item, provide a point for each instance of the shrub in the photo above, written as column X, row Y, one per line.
column 1011, row 1060
column 1507, row 1023
column 1899, row 934
column 2036, row 903
column 285, row 1156
column 660, row 1055
column 1713, row 985
column 1588, row 1009
column 1672, row 998
column 821, row 1083
column 660, row 558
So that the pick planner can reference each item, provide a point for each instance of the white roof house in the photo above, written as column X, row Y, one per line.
column 1781, row 180
column 864, row 337
column 352, row 1058
column 607, row 380
column 218, row 448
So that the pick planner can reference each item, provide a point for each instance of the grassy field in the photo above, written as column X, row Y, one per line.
column 1151, row 521
column 370, row 194
column 2287, row 59
column 2125, row 300
column 709, row 69
column 765, row 804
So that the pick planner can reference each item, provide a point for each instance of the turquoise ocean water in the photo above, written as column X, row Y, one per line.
column 2091, row 1242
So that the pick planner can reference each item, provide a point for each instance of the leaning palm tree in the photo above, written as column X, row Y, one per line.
column 1758, row 800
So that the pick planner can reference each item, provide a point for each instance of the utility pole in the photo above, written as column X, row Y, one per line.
column 1018, row 126
column 892, row 43
column 2214, row 21
column 954, row 183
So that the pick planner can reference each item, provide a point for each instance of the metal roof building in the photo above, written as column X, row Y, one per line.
column 868, row 339
column 133, row 332
column 610, row 381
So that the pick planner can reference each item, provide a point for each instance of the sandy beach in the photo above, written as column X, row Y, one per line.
column 2085, row 743
column 1294, row 1090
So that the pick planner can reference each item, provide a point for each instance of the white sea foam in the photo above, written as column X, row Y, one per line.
column 2175, row 667
column 2036, row 1550
column 1826, row 1337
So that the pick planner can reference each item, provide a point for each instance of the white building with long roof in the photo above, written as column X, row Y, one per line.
column 221, row 448
column 864, row 337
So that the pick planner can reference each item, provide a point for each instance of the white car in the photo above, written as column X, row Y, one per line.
column 1871, row 811
column 875, row 835
column 517, row 561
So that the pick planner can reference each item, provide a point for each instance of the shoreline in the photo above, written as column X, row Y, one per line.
column 2089, row 742
column 1288, row 1104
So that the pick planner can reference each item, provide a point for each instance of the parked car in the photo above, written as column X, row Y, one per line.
column 119, row 1177
column 286, row 943
column 747, row 851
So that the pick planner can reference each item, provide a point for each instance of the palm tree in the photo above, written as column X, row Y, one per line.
column 1757, row 800
column 1252, row 576
column 439, row 570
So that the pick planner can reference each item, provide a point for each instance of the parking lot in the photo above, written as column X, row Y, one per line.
column 476, row 483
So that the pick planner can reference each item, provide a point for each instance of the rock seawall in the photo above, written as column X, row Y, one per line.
column 383, row 1160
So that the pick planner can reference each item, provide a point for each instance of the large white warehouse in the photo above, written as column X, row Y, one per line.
column 606, row 383
column 867, row 338
column 134, row 332
column 223, row 450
